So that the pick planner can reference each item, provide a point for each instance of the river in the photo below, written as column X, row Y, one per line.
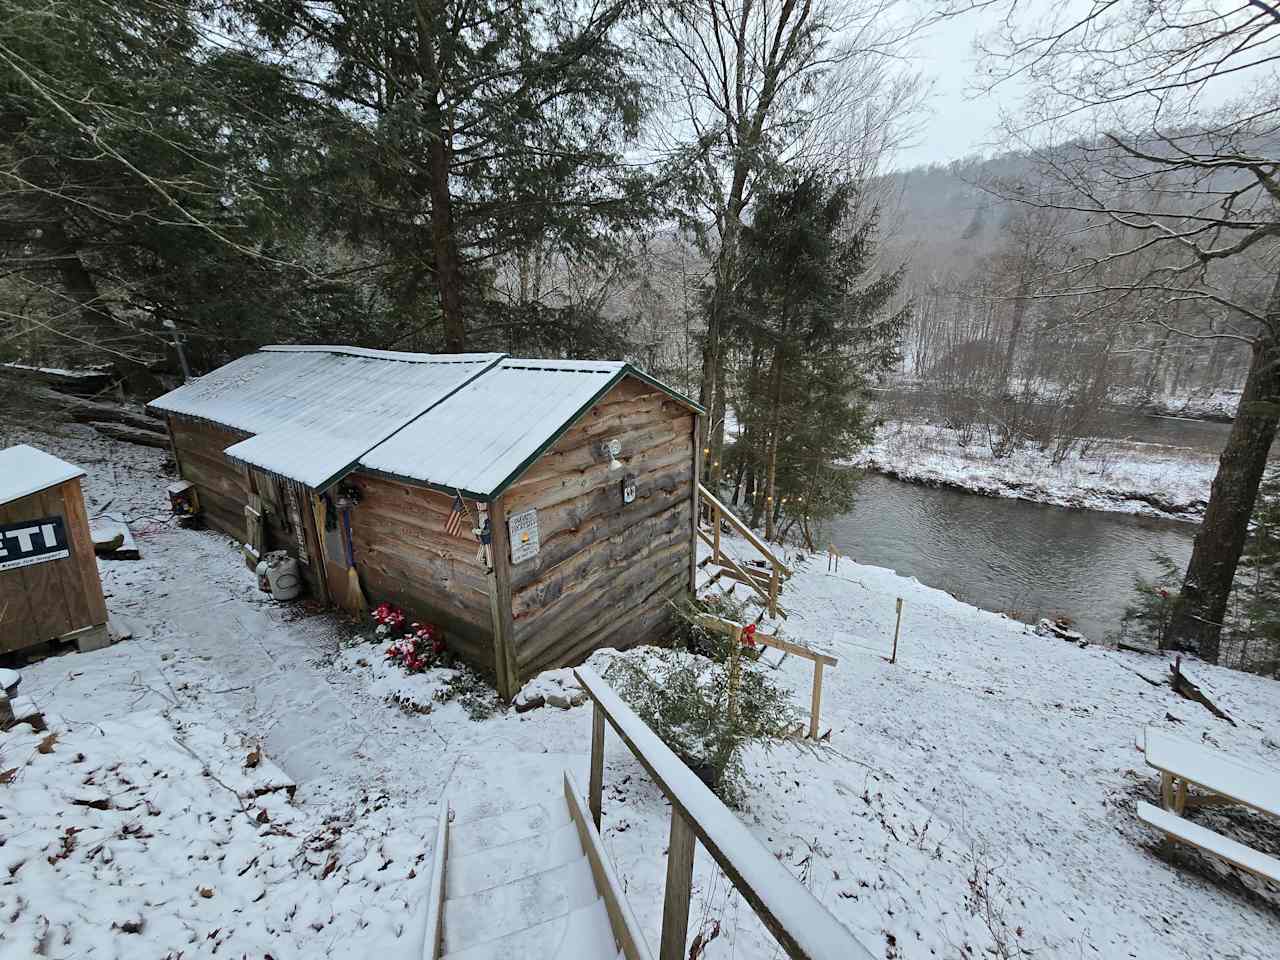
column 1025, row 559
column 1020, row 558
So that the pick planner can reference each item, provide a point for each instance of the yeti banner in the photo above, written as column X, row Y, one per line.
column 32, row 541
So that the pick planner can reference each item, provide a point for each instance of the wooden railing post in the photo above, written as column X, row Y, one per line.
column 595, row 789
column 773, row 592
column 715, row 528
column 815, row 707
column 675, row 906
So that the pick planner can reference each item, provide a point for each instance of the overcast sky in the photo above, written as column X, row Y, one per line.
column 956, row 124
column 959, row 124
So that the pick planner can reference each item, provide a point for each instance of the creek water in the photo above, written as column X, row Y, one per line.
column 1025, row 559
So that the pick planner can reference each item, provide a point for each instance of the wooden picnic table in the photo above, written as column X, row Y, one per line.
column 1182, row 762
column 1221, row 778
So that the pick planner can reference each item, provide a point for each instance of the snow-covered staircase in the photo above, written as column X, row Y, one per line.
column 762, row 575
column 527, row 879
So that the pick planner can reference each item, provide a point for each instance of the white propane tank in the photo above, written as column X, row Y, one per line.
column 282, row 575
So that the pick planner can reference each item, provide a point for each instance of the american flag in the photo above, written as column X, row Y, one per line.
column 453, row 526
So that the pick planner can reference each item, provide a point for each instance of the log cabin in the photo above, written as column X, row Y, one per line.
column 577, row 481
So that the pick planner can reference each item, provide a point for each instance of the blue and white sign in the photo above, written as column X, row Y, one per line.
column 32, row 541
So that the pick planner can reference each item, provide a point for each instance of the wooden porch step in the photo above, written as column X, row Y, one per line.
column 581, row 934
column 520, row 905
column 470, row 836
column 495, row 866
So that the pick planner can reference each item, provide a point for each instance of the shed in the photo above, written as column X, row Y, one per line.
column 585, row 472
column 49, row 584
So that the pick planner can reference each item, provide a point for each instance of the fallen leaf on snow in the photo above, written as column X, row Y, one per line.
column 46, row 745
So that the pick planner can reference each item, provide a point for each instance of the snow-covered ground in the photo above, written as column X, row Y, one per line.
column 1218, row 405
column 975, row 799
column 1117, row 475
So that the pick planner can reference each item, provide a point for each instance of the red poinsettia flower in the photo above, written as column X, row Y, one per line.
column 749, row 635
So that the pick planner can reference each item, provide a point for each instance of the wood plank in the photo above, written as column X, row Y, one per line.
column 649, row 621
column 1213, row 771
column 596, row 796
column 210, row 475
column 815, row 707
column 681, row 845
column 626, row 931
column 594, row 599
column 601, row 614
column 504, row 656
column 694, row 502
column 568, row 527
column 434, row 941
column 423, row 565
column 17, row 619
column 548, row 493
column 1235, row 853
column 67, row 573
column 591, row 451
column 803, row 927
column 85, row 577
column 386, row 572
column 744, row 530
column 44, row 582
column 583, row 570
column 370, row 527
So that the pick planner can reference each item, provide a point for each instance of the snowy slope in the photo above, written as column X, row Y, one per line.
column 974, row 798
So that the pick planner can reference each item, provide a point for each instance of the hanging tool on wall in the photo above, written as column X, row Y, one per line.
column 356, row 602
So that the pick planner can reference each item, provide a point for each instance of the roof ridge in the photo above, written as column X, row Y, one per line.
column 389, row 355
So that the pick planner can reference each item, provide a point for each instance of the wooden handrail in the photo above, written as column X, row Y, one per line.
column 743, row 529
column 433, row 940
column 804, row 928
column 819, row 660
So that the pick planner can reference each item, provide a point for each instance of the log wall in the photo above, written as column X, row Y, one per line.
column 404, row 555
column 606, row 571
column 225, row 486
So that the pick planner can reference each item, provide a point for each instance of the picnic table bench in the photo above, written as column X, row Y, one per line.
column 1182, row 764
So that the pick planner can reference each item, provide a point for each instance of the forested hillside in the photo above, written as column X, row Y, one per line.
column 703, row 190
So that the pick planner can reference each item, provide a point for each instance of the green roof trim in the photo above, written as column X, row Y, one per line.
column 627, row 371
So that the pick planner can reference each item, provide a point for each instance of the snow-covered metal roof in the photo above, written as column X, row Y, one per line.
column 25, row 470
column 482, row 438
column 314, row 410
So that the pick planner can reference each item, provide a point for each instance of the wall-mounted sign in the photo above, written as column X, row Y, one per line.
column 32, row 541
column 523, row 531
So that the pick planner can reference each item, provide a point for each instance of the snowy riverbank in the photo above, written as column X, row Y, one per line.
column 1119, row 476
column 974, row 799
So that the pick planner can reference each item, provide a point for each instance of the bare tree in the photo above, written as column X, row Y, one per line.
column 756, row 83
column 1187, row 98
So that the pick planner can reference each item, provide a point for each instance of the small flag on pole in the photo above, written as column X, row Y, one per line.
column 453, row 527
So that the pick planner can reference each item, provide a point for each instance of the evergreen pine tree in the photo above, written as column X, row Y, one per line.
column 820, row 323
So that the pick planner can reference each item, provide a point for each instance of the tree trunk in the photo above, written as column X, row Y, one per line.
column 444, row 244
column 1206, row 588
column 83, row 289
column 775, row 428
column 444, row 248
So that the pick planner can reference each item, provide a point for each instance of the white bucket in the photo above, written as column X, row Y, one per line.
column 284, row 579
